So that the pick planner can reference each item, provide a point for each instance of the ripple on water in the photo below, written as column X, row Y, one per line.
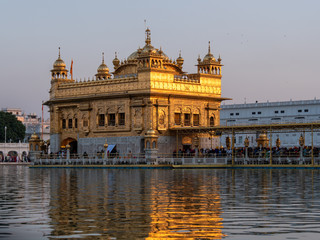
column 158, row 204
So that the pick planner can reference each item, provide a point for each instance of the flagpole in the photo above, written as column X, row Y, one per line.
column 71, row 69
column 42, row 123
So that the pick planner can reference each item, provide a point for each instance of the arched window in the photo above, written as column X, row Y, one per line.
column 148, row 144
column 154, row 144
column 211, row 121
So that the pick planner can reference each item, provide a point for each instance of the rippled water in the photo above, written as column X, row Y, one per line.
column 158, row 204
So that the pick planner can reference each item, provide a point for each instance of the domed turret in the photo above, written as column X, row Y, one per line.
column 148, row 49
column 209, row 56
column 209, row 65
column 103, row 70
column 180, row 60
column 199, row 59
column 116, row 61
column 34, row 136
column 59, row 68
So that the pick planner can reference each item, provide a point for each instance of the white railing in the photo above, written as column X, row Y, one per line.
column 166, row 159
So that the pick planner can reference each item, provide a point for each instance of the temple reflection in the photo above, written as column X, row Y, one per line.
column 189, row 207
column 135, row 204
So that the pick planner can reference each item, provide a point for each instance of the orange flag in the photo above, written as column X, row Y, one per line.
column 71, row 69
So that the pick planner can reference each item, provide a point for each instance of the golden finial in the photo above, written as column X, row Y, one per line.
column 115, row 55
column 179, row 53
column 199, row 59
column 102, row 57
column 59, row 52
column 219, row 59
column 148, row 36
column 209, row 50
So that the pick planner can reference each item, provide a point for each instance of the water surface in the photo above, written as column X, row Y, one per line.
column 71, row 203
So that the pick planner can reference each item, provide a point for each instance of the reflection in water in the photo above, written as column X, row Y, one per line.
column 158, row 204
column 131, row 204
column 185, row 205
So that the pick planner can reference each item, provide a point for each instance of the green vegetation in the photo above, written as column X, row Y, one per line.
column 15, row 129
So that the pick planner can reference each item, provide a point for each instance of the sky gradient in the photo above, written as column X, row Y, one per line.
column 270, row 49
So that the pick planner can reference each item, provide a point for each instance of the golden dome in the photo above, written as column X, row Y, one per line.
column 151, row 133
column 34, row 136
column 147, row 49
column 116, row 61
column 263, row 136
column 59, row 63
column 103, row 68
column 180, row 60
column 209, row 56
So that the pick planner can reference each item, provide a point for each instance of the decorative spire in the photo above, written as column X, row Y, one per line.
column 102, row 57
column 199, row 59
column 115, row 55
column 209, row 50
column 180, row 60
column 148, row 36
column 59, row 52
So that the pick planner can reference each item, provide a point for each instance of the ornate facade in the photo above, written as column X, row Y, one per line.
column 147, row 92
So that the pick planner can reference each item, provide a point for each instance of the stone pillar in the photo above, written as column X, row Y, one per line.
column 34, row 147
column 106, row 150
column 68, row 151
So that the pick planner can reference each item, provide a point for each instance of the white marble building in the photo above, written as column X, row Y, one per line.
column 305, row 111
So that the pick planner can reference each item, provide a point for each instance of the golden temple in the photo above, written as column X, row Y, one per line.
column 135, row 106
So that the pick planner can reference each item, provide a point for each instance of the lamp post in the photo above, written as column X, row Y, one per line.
column 105, row 151
column 301, row 143
column 5, row 141
column 246, row 144
column 5, row 134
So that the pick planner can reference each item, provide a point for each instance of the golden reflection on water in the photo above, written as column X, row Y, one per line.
column 135, row 204
column 188, row 208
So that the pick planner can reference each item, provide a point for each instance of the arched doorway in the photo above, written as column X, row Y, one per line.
column 73, row 145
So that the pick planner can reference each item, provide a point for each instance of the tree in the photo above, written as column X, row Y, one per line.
column 15, row 129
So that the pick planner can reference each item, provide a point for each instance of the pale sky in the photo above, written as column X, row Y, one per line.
column 270, row 49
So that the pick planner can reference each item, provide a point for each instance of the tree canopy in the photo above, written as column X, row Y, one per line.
column 15, row 129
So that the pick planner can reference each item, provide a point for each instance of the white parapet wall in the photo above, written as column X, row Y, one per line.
column 5, row 148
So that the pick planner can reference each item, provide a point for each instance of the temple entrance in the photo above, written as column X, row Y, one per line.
column 73, row 145
column 186, row 144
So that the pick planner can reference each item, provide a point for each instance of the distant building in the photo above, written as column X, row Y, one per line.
column 32, row 123
column 306, row 111
column 16, row 112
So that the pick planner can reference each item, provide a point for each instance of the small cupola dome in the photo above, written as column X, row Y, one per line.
column 59, row 69
column 209, row 56
column 116, row 61
column 103, row 70
column 180, row 60
column 59, row 63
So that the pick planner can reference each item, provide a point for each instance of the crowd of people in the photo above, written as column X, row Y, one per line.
column 14, row 158
column 252, row 152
